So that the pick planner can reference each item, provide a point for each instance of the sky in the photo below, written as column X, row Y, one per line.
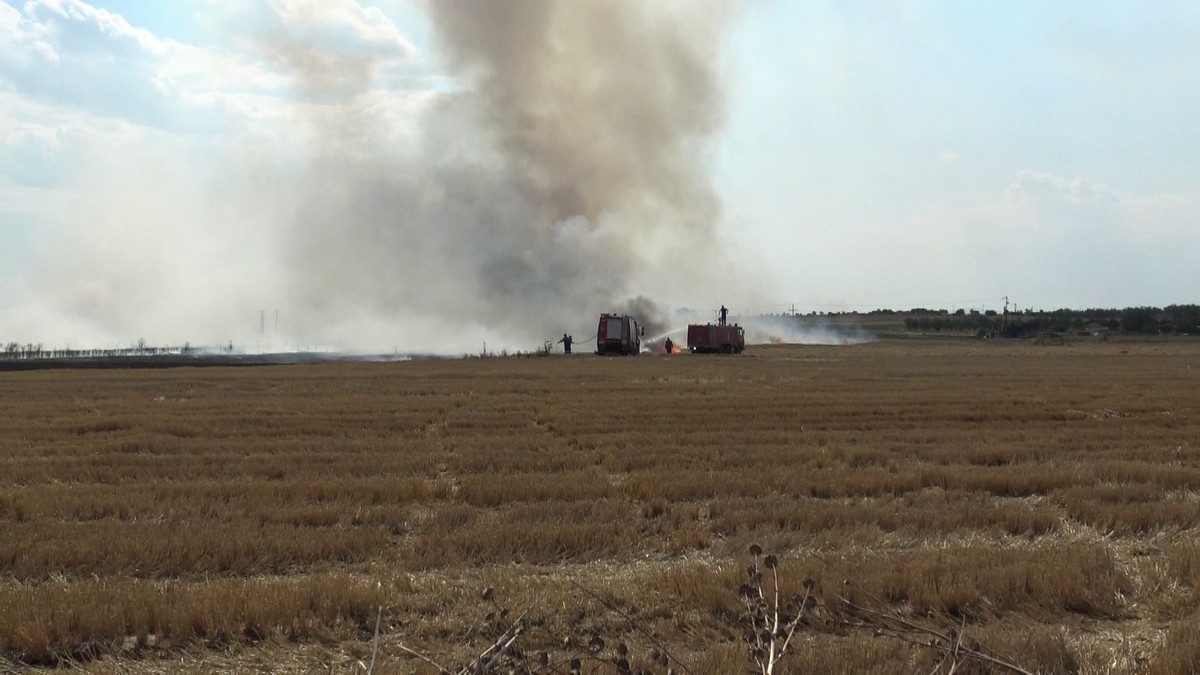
column 413, row 175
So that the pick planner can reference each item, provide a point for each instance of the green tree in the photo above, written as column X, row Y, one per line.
column 1140, row 320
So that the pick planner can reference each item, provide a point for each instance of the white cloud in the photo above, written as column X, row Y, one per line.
column 1066, row 241
column 1044, row 189
column 109, row 24
column 343, row 26
column 101, row 65
column 1097, row 216
column 21, row 39
column 136, row 171
column 72, row 69
column 41, row 145
column 70, row 53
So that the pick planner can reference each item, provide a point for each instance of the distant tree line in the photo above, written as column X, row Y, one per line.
column 16, row 350
column 1170, row 320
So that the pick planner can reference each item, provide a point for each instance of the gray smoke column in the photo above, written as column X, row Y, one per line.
column 597, row 108
column 563, row 173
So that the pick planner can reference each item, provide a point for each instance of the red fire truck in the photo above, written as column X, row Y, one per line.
column 618, row 334
column 721, row 338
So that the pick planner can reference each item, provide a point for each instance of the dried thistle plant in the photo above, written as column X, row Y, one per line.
column 771, row 621
column 504, row 652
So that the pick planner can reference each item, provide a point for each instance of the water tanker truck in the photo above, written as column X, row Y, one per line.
column 721, row 338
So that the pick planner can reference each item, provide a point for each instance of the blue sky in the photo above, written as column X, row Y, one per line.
column 930, row 152
column 880, row 154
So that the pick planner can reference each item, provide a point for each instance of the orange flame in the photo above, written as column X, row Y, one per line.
column 660, row 347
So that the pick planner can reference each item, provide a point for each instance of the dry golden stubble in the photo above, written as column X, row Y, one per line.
column 1180, row 651
column 61, row 620
column 918, row 461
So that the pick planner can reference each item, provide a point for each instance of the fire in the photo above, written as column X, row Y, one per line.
column 660, row 347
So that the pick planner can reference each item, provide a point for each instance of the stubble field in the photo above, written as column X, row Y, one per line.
column 1042, row 502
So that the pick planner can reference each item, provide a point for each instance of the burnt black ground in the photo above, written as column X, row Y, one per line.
column 199, row 360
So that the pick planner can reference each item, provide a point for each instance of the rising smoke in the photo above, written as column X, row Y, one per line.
column 555, row 169
column 561, row 176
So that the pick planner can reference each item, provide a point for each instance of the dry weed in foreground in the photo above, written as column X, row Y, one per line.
column 769, row 624
column 580, row 650
column 64, row 621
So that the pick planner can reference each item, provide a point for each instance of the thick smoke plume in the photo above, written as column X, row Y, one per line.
column 546, row 162
column 564, row 173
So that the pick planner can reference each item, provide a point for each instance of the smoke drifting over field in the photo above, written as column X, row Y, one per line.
column 542, row 163
column 564, row 166
column 783, row 329
column 765, row 329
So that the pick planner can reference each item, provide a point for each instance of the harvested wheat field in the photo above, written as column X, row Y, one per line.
column 926, row 506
